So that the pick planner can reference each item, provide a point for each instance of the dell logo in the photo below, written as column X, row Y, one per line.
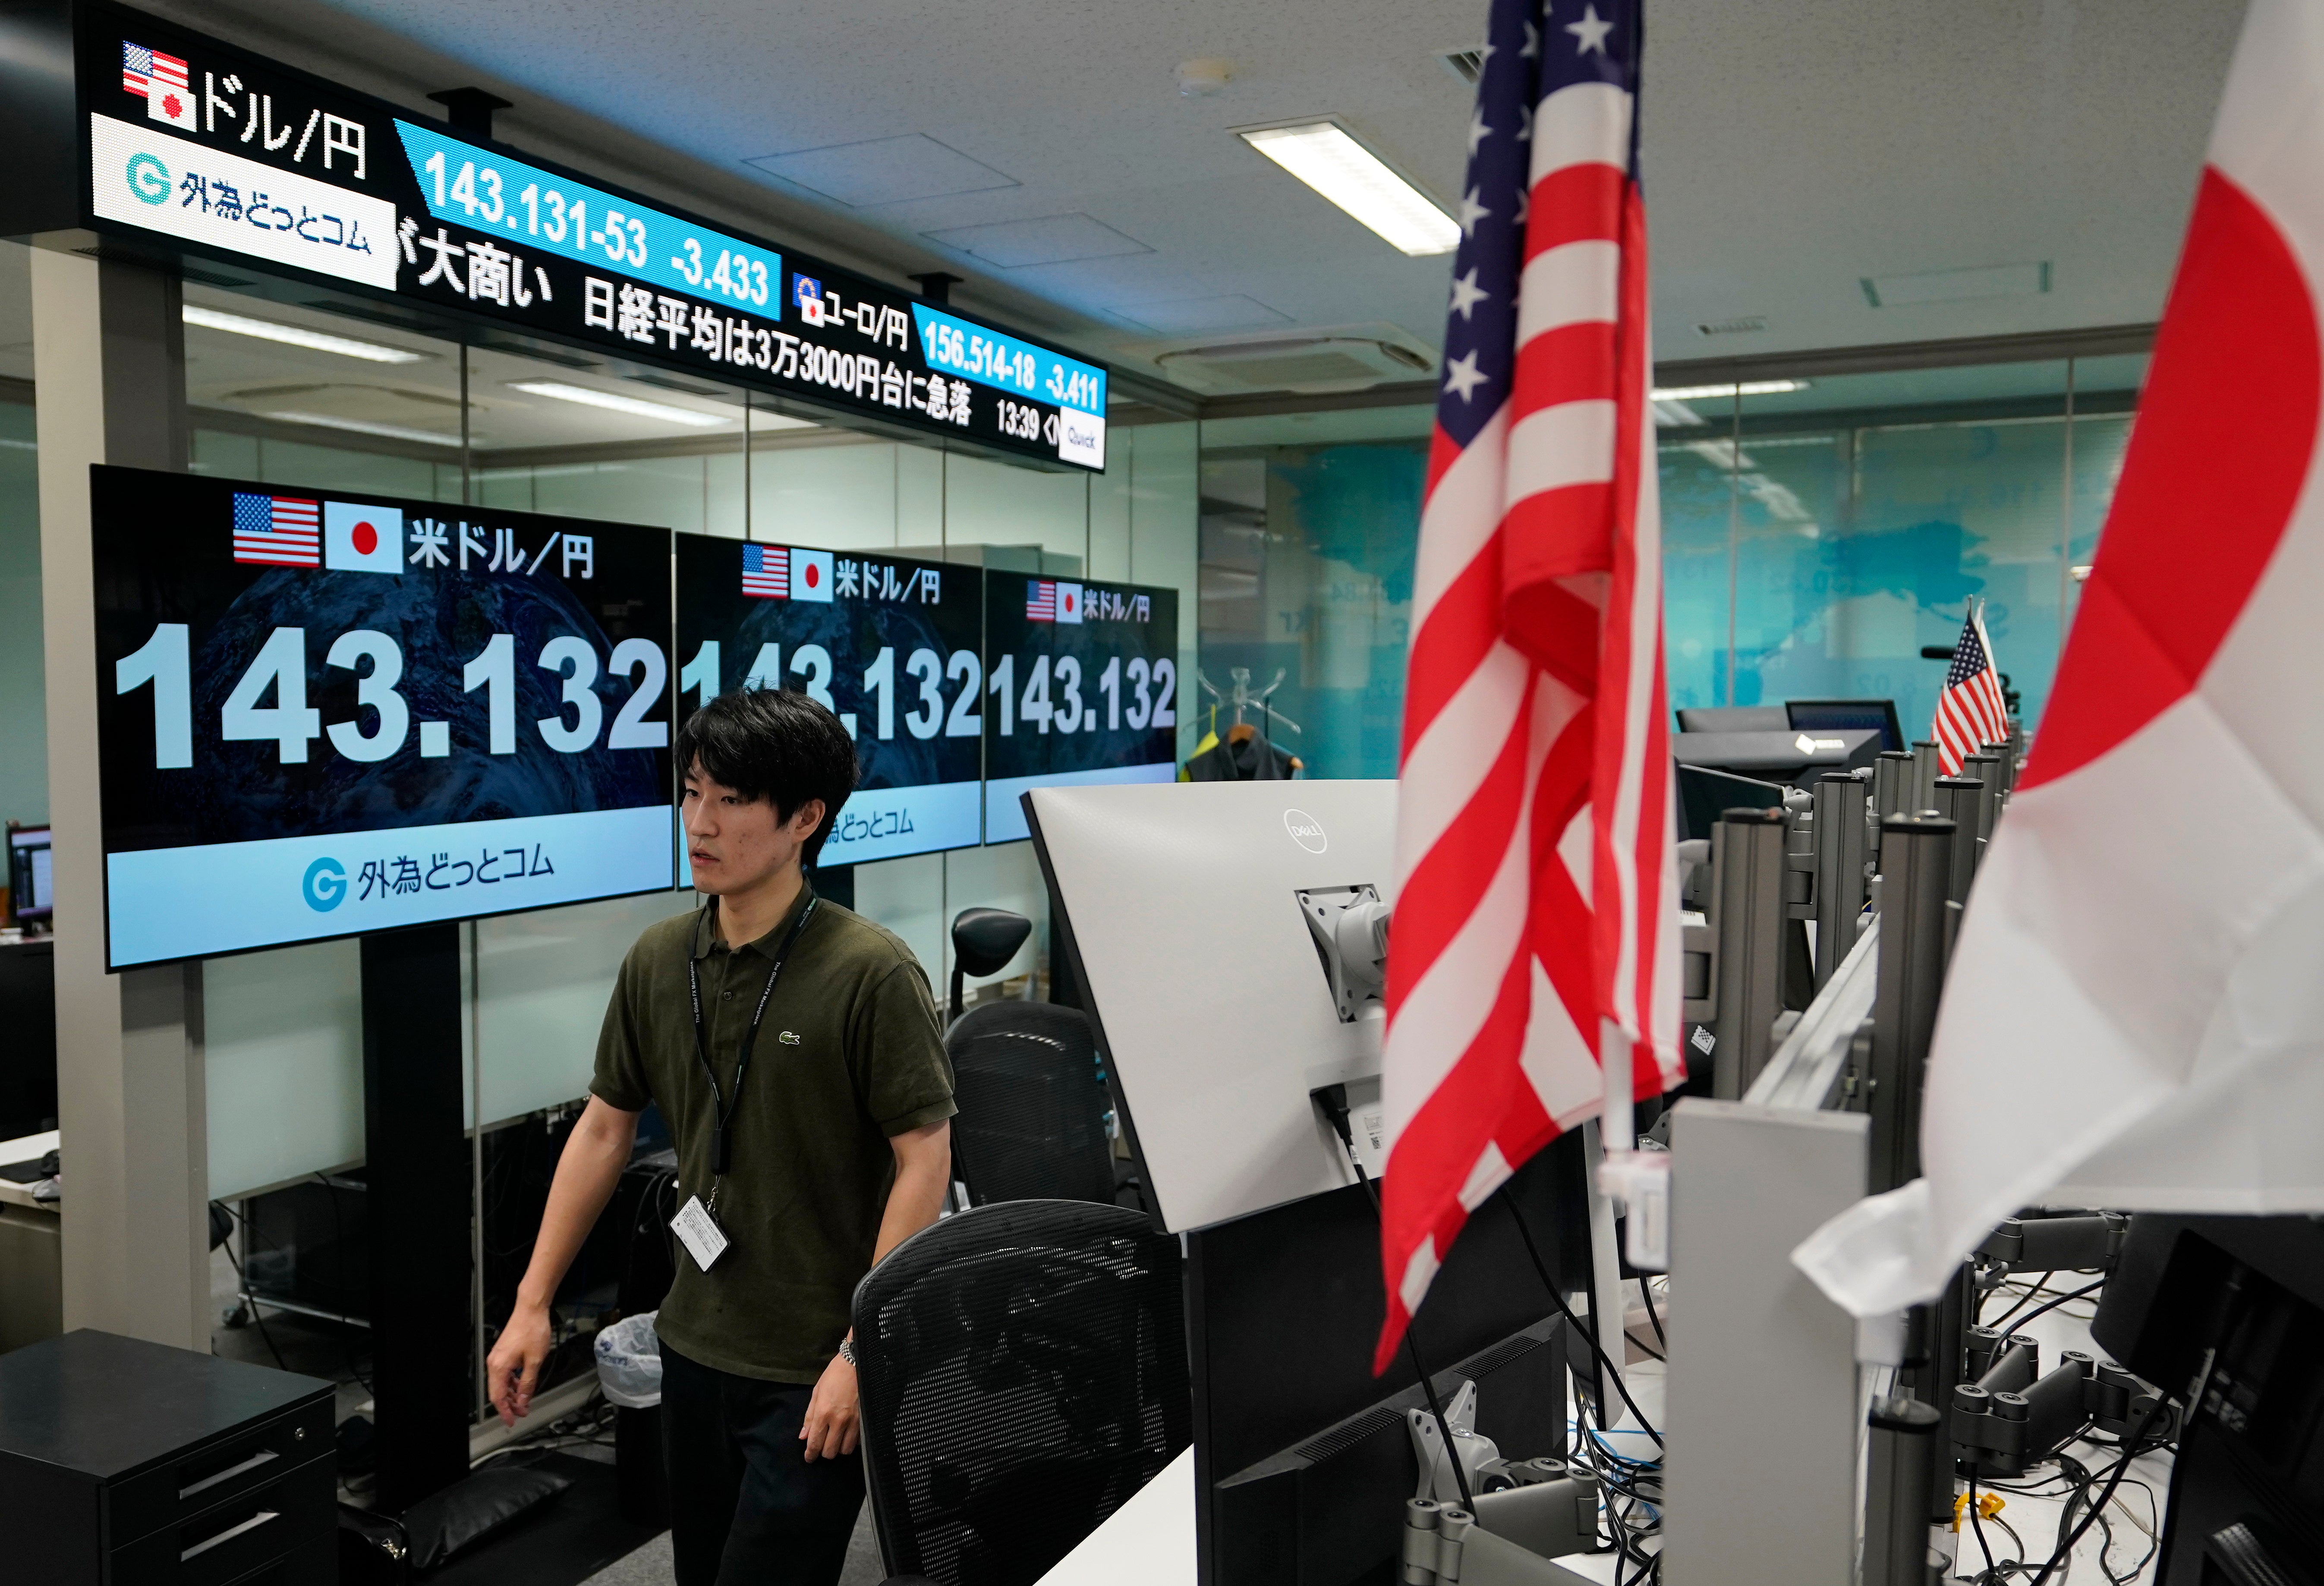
column 1305, row 830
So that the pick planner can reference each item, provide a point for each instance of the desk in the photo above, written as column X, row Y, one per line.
column 32, row 1259
column 31, row 1148
column 2036, row 1518
column 1148, row 1541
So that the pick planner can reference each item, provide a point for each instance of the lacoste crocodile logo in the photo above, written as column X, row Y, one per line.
column 788, row 1039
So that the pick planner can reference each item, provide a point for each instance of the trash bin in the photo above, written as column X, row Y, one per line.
column 629, row 1372
column 629, row 1362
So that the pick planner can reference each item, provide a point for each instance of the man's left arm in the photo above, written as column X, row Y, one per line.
column 923, row 1170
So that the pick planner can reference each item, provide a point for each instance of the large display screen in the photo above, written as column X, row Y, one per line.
column 1082, row 686
column 228, row 154
column 889, row 644
column 321, row 713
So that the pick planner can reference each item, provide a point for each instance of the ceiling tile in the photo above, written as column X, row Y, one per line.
column 884, row 171
column 1184, row 316
column 1050, row 239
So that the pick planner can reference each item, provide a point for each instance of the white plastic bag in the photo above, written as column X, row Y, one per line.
column 629, row 1362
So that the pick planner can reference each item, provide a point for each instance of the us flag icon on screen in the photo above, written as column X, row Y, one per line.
column 1048, row 601
column 277, row 531
column 782, row 572
column 359, row 538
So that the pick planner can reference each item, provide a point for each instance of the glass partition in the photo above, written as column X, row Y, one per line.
column 1818, row 533
column 23, row 703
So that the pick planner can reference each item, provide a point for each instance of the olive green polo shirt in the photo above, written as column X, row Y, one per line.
column 850, row 1053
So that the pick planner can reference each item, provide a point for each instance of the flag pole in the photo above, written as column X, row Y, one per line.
column 1607, row 1142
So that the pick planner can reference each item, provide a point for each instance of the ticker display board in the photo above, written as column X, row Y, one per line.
column 321, row 713
column 1081, row 684
column 888, row 644
column 228, row 153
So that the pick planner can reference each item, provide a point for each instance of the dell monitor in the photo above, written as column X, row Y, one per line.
column 32, row 899
column 1184, row 910
column 1183, row 915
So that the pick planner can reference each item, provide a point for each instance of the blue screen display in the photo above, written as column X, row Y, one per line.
column 325, row 714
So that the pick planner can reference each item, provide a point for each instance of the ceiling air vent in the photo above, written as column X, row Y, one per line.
column 1741, row 325
column 1468, row 65
column 1310, row 365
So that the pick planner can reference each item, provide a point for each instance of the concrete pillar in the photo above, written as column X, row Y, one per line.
column 108, row 364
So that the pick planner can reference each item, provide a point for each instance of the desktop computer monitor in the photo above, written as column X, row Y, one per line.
column 2229, row 1311
column 1705, row 794
column 1179, row 907
column 1840, row 716
column 28, row 1043
column 30, row 897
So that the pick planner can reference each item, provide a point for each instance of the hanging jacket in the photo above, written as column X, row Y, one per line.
column 1254, row 759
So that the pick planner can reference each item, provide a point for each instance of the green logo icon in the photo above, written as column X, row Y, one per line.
column 149, row 179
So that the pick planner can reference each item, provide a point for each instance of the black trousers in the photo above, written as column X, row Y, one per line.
column 746, row 1509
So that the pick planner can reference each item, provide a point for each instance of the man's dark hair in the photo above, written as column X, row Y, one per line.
column 774, row 744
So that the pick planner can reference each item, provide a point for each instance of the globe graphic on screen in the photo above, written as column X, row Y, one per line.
column 440, row 621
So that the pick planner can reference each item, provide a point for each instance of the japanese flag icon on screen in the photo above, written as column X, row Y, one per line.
column 810, row 575
column 1069, row 603
column 362, row 539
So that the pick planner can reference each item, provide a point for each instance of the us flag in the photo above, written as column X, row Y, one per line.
column 277, row 531
column 1534, row 922
column 1040, row 601
column 1970, row 712
column 767, row 571
column 141, row 69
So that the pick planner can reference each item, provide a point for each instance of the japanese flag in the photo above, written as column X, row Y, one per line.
column 168, row 100
column 1069, row 603
column 810, row 575
column 362, row 538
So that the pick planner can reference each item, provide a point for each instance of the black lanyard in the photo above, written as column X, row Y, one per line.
column 721, row 1108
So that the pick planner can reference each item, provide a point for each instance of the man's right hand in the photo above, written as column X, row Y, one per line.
column 513, row 1367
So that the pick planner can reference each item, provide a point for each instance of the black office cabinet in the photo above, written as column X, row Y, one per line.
column 127, row 1463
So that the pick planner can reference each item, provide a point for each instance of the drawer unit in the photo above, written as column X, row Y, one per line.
column 127, row 1463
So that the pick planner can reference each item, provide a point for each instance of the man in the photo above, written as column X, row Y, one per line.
column 800, row 1041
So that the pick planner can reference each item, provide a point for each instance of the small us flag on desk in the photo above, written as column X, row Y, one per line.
column 767, row 571
column 277, row 531
column 1970, row 712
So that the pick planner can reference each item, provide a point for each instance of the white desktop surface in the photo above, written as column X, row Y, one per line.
column 31, row 1148
column 1148, row 1541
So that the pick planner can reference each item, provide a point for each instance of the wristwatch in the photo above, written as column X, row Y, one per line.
column 847, row 1351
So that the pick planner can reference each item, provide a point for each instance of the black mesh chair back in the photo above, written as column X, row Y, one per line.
column 1022, row 1369
column 1032, row 1109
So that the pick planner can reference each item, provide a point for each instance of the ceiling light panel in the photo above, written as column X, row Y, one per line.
column 1327, row 159
column 614, row 402
column 1958, row 286
column 1696, row 393
column 298, row 336
column 365, row 427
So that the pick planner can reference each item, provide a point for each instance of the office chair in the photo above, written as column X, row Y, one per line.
column 1022, row 1371
column 1032, row 1111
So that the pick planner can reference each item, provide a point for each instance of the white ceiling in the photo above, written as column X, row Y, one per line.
column 1041, row 148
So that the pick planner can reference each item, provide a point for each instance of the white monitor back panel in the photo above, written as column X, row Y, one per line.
column 1204, row 980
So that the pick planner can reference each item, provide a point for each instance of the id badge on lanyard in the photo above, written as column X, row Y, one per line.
column 699, row 1233
column 697, row 1224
